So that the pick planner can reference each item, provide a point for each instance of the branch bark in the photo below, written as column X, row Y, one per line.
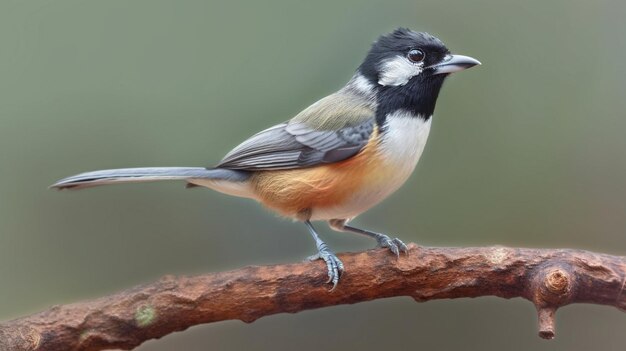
column 548, row 278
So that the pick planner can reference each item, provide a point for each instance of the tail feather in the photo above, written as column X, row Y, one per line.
column 147, row 174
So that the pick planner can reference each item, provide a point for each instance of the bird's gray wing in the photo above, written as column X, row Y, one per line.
column 332, row 130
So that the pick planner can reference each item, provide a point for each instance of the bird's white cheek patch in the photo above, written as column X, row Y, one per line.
column 398, row 71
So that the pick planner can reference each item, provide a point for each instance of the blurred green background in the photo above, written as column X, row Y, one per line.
column 526, row 150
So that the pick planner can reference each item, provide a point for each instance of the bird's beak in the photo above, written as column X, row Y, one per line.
column 454, row 63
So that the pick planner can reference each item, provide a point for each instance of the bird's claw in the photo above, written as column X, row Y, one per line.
column 395, row 245
column 333, row 264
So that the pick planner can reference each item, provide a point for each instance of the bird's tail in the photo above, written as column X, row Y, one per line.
column 150, row 174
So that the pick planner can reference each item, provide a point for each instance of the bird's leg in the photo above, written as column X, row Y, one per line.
column 333, row 264
column 395, row 245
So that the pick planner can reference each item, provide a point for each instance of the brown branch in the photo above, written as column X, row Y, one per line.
column 548, row 278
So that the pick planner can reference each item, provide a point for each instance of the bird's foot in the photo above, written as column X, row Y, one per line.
column 333, row 264
column 395, row 245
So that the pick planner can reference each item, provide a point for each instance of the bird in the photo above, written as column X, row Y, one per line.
column 338, row 157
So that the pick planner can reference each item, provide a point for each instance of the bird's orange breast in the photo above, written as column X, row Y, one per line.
column 296, row 192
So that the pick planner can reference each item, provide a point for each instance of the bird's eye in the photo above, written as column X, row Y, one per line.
column 416, row 55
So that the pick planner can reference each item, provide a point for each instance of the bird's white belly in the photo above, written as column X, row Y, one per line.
column 402, row 144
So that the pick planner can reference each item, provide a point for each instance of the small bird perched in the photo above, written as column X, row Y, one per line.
column 340, row 156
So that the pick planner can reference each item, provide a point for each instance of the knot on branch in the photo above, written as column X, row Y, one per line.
column 551, row 287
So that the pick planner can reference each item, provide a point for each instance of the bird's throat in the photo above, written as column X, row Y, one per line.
column 418, row 97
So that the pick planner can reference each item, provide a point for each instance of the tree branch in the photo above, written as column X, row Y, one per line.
column 548, row 278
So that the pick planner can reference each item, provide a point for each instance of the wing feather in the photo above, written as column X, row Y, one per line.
column 331, row 130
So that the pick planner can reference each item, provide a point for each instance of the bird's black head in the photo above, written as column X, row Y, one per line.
column 408, row 68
